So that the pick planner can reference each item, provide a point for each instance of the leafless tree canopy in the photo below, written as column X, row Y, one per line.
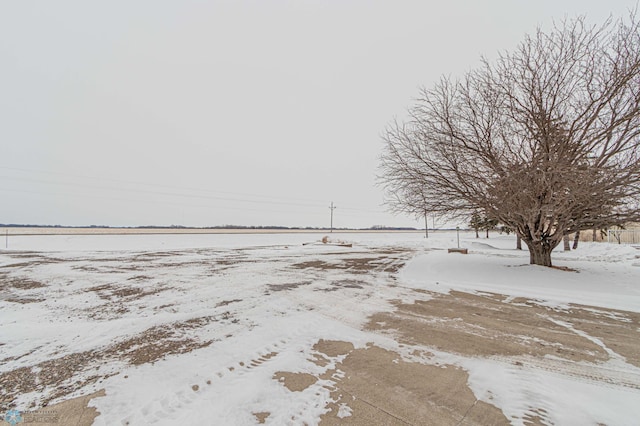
column 546, row 139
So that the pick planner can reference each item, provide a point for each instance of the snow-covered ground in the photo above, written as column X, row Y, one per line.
column 190, row 329
column 608, row 276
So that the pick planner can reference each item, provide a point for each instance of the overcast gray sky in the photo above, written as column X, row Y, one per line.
column 227, row 112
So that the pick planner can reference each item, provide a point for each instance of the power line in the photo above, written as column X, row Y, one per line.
column 157, row 185
column 196, row 193
column 173, row 194
column 264, row 199
column 139, row 200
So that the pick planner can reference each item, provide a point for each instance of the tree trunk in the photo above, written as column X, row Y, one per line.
column 539, row 253
column 576, row 238
column 565, row 240
column 477, row 236
column 518, row 242
column 426, row 227
column 594, row 236
column 487, row 232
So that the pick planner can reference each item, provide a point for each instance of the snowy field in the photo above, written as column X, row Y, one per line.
column 220, row 329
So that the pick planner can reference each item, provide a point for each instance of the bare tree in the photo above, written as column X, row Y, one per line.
column 546, row 139
column 476, row 223
column 489, row 225
column 412, row 200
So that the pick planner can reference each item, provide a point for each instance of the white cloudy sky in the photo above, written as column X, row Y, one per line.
column 227, row 112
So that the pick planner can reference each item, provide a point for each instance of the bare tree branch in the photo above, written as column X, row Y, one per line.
column 546, row 139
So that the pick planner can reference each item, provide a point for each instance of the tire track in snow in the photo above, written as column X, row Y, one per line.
column 171, row 406
column 600, row 375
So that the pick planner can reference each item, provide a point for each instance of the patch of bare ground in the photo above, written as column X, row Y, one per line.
column 54, row 374
column 535, row 417
column 578, row 339
column 178, row 264
column 118, row 299
column 342, row 284
column 227, row 302
column 140, row 278
column 618, row 330
column 34, row 261
column 287, row 286
column 156, row 255
column 74, row 411
column 262, row 416
column 24, row 299
column 374, row 386
column 57, row 375
column 110, row 270
column 565, row 268
column 383, row 260
column 158, row 342
column 19, row 283
column 234, row 260
column 490, row 324
column 362, row 265
column 295, row 382
column 16, row 289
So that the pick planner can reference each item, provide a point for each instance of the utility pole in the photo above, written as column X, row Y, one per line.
column 332, row 208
